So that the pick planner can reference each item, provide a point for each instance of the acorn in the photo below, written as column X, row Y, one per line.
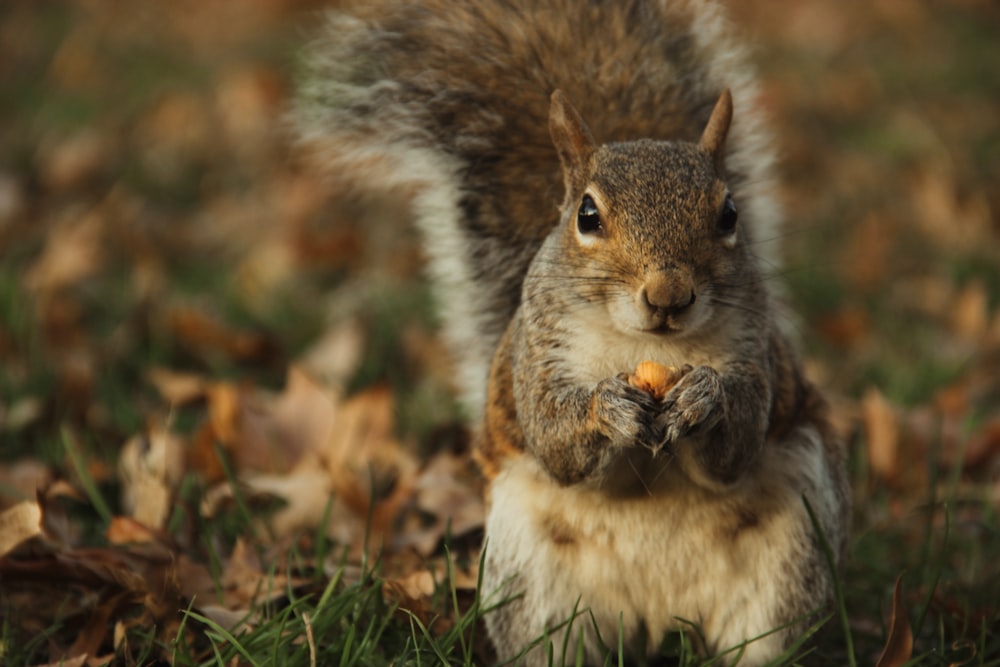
column 655, row 379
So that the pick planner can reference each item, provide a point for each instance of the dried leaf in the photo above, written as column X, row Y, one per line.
column 224, row 412
column 71, row 162
column 273, row 434
column 202, row 457
column 229, row 619
column 19, row 524
column 174, row 134
column 12, row 200
column 76, row 661
column 124, row 530
column 365, row 436
column 20, row 480
column 413, row 593
column 336, row 355
column 984, row 445
column 247, row 102
column 74, row 250
column 868, row 248
column 21, row 413
column 970, row 317
column 845, row 327
column 150, row 467
column 208, row 336
column 305, row 492
column 178, row 388
column 882, row 434
column 90, row 638
column 899, row 645
column 445, row 490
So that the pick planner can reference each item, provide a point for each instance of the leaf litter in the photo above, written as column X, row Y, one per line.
column 158, row 235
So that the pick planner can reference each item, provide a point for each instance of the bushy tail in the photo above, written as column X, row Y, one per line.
column 445, row 104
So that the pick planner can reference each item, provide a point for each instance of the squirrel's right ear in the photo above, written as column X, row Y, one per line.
column 571, row 137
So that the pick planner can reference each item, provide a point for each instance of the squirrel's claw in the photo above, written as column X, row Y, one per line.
column 695, row 403
column 627, row 416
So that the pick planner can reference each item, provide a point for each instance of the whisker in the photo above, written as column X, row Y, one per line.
column 638, row 476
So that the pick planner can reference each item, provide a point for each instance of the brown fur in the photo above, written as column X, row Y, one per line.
column 485, row 115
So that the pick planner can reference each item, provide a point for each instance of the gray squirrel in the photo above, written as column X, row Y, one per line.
column 593, row 182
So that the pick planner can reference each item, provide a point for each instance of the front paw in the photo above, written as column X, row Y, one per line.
column 694, row 404
column 626, row 415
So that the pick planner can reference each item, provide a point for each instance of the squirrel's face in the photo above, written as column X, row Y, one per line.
column 656, row 230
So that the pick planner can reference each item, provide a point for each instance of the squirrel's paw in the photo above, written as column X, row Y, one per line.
column 626, row 415
column 695, row 403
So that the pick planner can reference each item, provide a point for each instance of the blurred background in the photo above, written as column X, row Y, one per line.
column 155, row 214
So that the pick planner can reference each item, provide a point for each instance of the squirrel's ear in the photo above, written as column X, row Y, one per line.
column 713, row 138
column 571, row 137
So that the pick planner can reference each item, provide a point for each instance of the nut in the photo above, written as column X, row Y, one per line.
column 654, row 378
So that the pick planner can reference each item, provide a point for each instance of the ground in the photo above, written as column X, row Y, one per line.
column 199, row 350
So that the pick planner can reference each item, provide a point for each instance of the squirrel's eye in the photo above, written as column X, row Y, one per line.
column 727, row 217
column 588, row 220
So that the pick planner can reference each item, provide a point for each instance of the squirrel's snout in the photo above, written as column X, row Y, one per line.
column 668, row 292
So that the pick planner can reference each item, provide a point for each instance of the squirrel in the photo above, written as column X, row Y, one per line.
column 593, row 183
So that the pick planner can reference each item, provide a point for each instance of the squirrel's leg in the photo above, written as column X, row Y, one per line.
column 777, row 581
column 537, row 568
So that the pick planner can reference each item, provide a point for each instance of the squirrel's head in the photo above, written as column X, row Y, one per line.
column 653, row 222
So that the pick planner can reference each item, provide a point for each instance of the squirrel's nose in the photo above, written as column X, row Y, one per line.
column 670, row 292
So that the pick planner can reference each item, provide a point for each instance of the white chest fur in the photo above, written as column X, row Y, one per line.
column 674, row 551
column 592, row 358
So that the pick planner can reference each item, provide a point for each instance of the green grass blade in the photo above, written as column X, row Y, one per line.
column 838, row 589
column 89, row 485
column 225, row 635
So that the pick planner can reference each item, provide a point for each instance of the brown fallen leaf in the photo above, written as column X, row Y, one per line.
column 446, row 490
column 21, row 413
column 82, row 589
column 125, row 530
column 970, row 316
column 230, row 619
column 272, row 433
column 845, row 326
column 881, row 426
column 178, row 388
column 247, row 103
column 73, row 161
column 74, row 250
column 336, row 355
column 21, row 479
column 19, row 524
column 317, row 446
column 177, row 131
column 412, row 594
column 899, row 644
column 305, row 492
column 224, row 401
column 150, row 468
column 208, row 336
column 983, row 445
column 90, row 638
column 75, row 661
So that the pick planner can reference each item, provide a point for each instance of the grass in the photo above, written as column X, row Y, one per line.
column 332, row 620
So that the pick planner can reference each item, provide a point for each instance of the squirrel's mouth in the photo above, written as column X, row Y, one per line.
column 664, row 328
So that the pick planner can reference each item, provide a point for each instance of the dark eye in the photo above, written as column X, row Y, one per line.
column 727, row 217
column 588, row 220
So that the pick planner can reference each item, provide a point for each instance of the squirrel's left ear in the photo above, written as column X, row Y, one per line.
column 713, row 138
column 572, row 139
